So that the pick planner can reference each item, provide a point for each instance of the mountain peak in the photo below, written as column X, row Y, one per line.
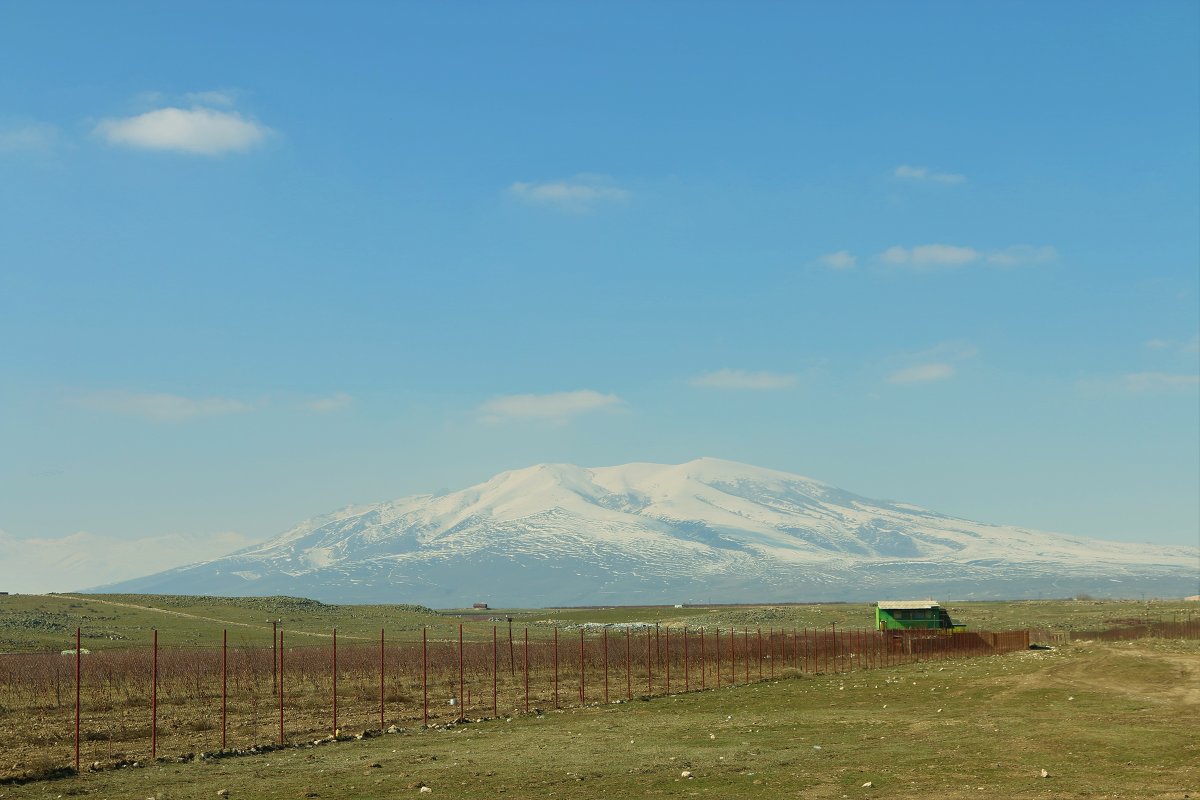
column 704, row 530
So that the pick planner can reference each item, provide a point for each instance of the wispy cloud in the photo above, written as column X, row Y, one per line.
column 1020, row 255
column 28, row 137
column 924, row 174
column 335, row 402
column 922, row 373
column 160, row 407
column 1154, row 382
column 580, row 193
column 558, row 406
column 842, row 259
column 218, row 97
column 741, row 379
column 949, row 256
column 83, row 560
column 932, row 364
column 945, row 351
column 1188, row 346
column 198, row 131
column 930, row 255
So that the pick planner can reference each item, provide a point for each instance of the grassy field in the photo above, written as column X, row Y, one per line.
column 1103, row 720
column 48, row 622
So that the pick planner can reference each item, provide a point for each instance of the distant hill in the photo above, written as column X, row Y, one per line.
column 704, row 531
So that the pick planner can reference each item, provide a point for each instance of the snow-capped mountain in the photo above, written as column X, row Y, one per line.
column 704, row 531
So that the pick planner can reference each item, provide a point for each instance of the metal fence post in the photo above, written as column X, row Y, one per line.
column 154, row 699
column 381, row 683
column 425, row 675
column 334, row 704
column 78, row 672
column 280, row 687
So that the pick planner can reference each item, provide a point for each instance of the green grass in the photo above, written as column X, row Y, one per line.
column 1103, row 720
column 48, row 622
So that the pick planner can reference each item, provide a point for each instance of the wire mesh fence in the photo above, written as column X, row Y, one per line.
column 120, row 706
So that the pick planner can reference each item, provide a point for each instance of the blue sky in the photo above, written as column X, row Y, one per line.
column 259, row 264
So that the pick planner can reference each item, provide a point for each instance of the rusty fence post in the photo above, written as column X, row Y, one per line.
column 527, row 670
column 703, row 681
column 154, row 699
column 495, row 680
column 224, row 684
column 425, row 675
column 78, row 674
column 334, row 702
column 280, row 687
column 381, row 683
column 462, row 711
column 556, row 666
column 582, row 671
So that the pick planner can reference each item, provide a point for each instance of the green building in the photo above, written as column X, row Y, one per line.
column 897, row 615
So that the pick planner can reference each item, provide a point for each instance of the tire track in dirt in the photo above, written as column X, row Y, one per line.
column 1132, row 672
column 186, row 615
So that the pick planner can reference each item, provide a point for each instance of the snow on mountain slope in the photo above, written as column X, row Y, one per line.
column 706, row 530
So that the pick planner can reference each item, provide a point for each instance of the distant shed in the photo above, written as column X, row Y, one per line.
column 896, row 615
column 480, row 605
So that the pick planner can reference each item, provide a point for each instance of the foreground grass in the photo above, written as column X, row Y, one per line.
column 1103, row 720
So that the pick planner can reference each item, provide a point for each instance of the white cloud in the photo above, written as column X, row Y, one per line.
column 741, row 379
column 198, row 130
column 839, row 260
column 1019, row 255
column 945, row 351
column 906, row 172
column 931, row 255
column 83, row 560
column 559, row 406
column 28, row 137
column 1151, row 382
column 160, row 407
column 922, row 373
column 580, row 193
column 335, row 402
column 934, row 256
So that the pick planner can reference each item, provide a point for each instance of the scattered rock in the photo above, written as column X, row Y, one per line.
column 1045, row 774
column 393, row 729
column 376, row 765
column 867, row 785
column 222, row 793
column 687, row 773
column 426, row 790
